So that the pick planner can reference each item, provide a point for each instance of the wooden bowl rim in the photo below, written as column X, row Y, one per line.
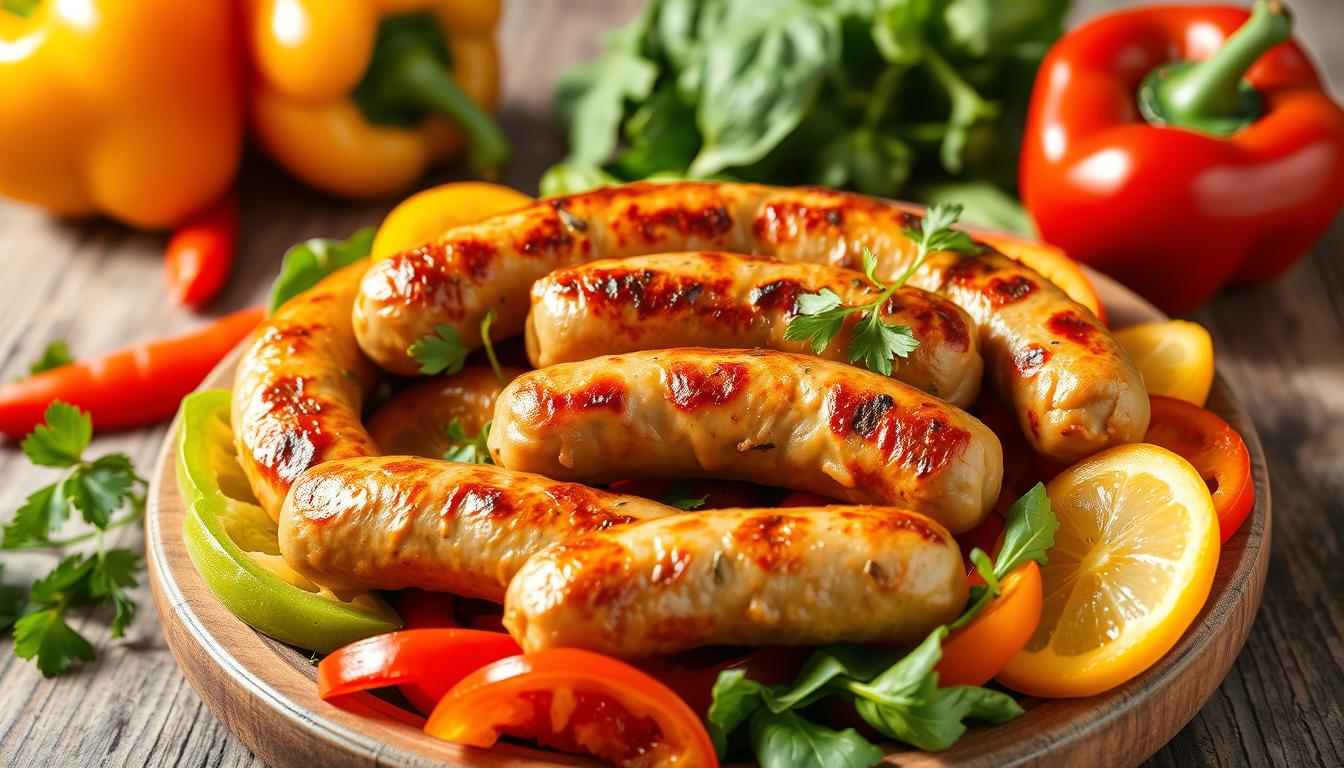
column 1121, row 726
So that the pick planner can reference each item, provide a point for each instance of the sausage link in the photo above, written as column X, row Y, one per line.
column 412, row 422
column 393, row 522
column 299, row 388
column 768, row 417
column 723, row 300
column 803, row 576
column 1073, row 388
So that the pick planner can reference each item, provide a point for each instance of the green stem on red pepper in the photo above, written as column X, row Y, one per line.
column 1213, row 95
column 409, row 76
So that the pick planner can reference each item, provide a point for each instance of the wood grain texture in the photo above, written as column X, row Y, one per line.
column 1281, row 349
column 266, row 691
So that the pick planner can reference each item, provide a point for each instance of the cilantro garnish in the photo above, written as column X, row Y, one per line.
column 444, row 351
column 97, row 489
column 468, row 449
column 876, row 342
column 896, row 694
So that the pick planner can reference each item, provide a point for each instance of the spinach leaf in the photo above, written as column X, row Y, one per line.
column 785, row 740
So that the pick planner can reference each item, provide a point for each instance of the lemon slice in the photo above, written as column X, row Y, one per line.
column 1132, row 564
column 1174, row 356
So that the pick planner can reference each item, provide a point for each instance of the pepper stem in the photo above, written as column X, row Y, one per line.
column 409, row 76
column 1213, row 95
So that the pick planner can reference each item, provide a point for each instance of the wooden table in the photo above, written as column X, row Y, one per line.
column 99, row 286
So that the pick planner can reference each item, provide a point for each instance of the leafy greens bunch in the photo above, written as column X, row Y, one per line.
column 873, row 95
column 896, row 694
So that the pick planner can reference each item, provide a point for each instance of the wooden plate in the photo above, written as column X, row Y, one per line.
column 264, row 691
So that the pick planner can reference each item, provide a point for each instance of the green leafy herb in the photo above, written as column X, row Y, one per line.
column 97, row 489
column 11, row 602
column 445, row 352
column 884, row 97
column 467, row 449
column 876, row 342
column 489, row 345
column 679, row 495
column 56, row 354
column 898, row 695
column 441, row 352
column 306, row 263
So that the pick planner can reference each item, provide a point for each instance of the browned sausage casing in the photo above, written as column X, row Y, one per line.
column 803, row 576
column 712, row 299
column 1073, row 388
column 299, row 388
column 769, row 417
column 412, row 422
column 392, row 522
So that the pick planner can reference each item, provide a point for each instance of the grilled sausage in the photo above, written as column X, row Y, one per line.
column 774, row 418
column 803, row 576
column 724, row 300
column 1073, row 389
column 299, row 388
column 392, row 522
column 412, row 422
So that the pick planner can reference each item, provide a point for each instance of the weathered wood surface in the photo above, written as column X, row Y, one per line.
column 1281, row 348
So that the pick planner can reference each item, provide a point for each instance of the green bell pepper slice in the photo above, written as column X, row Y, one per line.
column 234, row 545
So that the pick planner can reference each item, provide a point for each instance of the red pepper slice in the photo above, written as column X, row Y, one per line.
column 1179, row 208
column 425, row 663
column 606, row 708
column 1215, row 450
column 200, row 253
column 131, row 387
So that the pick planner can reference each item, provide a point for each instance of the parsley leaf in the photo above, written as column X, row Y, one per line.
column 467, row 449
column 45, row 635
column 679, row 495
column 101, row 488
column 113, row 572
column 60, row 442
column 11, row 602
column 97, row 489
column 486, row 322
column 42, row 514
column 876, row 342
column 306, row 263
column 443, row 351
column 56, row 354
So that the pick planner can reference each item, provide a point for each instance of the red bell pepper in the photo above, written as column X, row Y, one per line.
column 141, row 384
column 1181, row 149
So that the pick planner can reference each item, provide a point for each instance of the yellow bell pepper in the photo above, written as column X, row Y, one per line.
column 359, row 97
column 129, row 109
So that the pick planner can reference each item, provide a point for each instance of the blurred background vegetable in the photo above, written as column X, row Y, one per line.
column 916, row 98
column 1181, row 149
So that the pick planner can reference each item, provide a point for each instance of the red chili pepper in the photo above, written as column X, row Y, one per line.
column 1179, row 177
column 138, row 385
column 200, row 253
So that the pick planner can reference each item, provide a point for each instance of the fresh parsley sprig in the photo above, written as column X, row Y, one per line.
column 444, row 351
column 821, row 315
column 467, row 449
column 96, row 489
column 896, row 694
column 54, row 355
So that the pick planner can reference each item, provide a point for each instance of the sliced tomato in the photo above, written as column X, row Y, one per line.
column 977, row 652
column 691, row 675
column 425, row 663
column 1216, row 451
column 578, row 702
